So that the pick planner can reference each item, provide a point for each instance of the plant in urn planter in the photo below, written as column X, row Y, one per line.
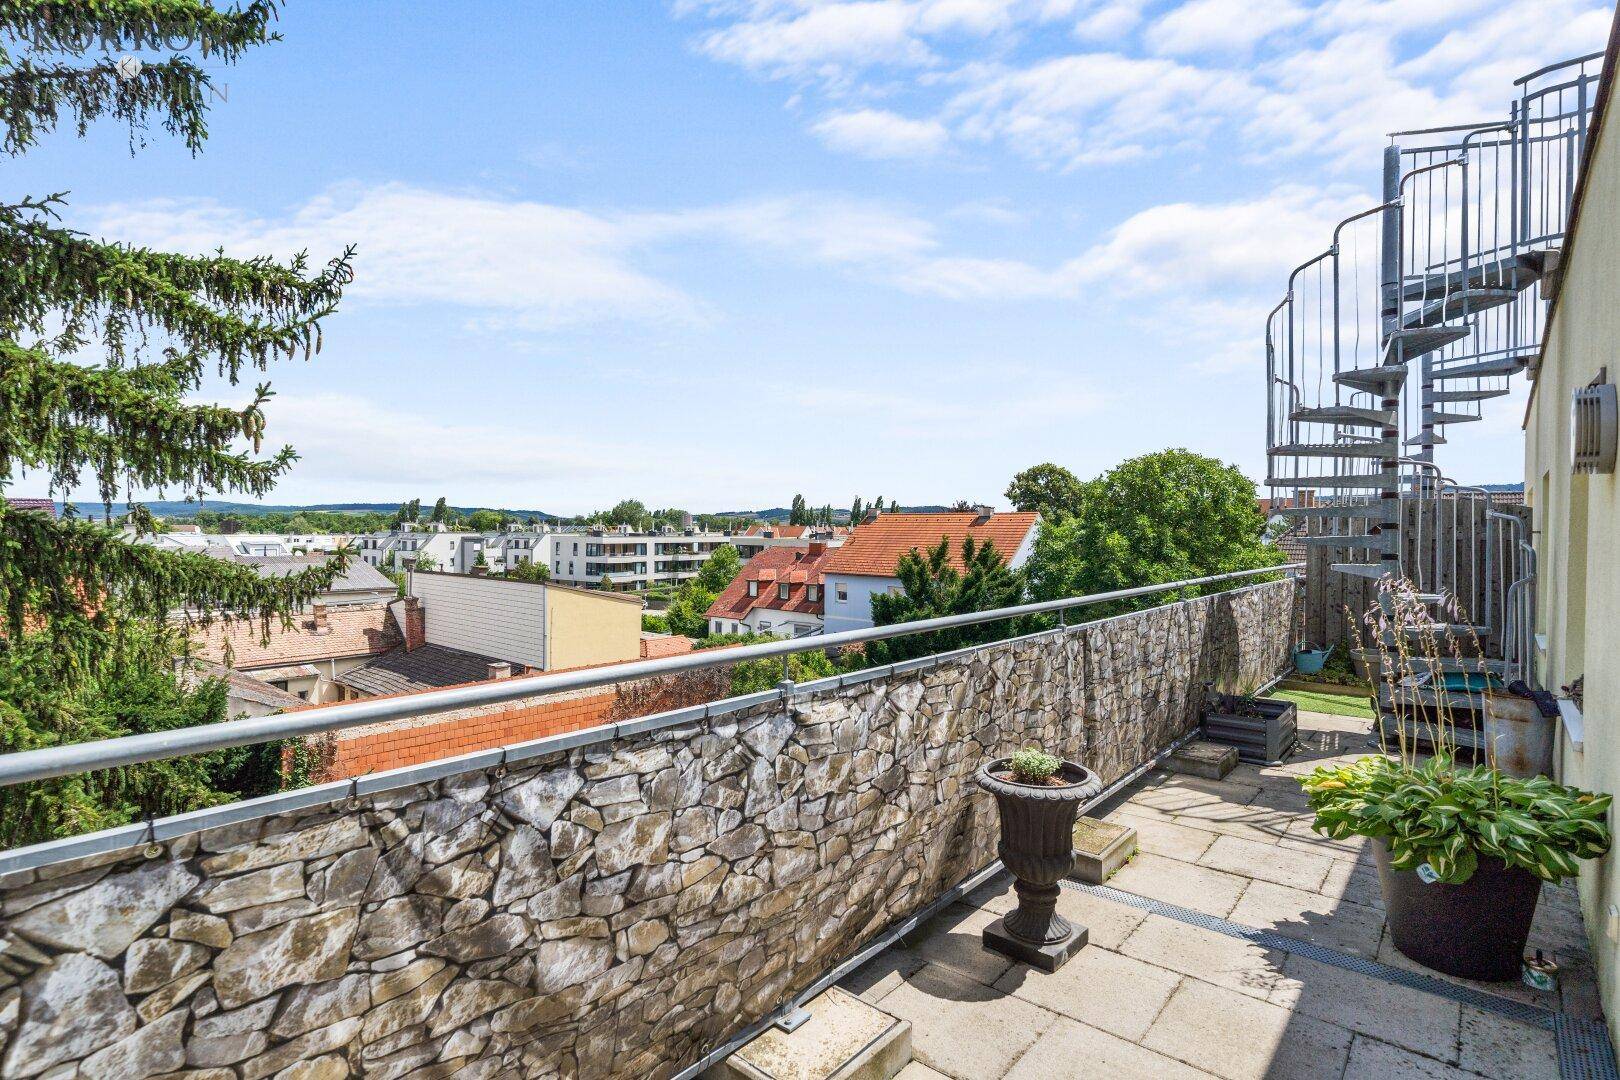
column 1038, row 796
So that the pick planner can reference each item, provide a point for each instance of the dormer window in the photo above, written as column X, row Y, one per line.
column 782, row 591
column 753, row 588
column 813, row 592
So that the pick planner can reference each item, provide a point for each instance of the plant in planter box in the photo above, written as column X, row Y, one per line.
column 1461, row 849
column 1038, row 795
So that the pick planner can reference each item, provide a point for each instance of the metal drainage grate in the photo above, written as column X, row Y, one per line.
column 1584, row 1049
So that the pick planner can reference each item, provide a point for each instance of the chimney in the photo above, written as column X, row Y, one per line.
column 415, row 623
column 984, row 514
column 816, row 548
column 498, row 669
column 319, row 610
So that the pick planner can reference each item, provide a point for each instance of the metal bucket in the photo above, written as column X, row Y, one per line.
column 1520, row 738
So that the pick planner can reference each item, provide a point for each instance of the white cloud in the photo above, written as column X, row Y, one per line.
column 1109, row 21
column 823, row 39
column 541, row 265
column 877, row 133
column 1222, row 25
column 1097, row 107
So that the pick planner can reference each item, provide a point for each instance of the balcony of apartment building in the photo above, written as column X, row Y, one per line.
column 644, row 898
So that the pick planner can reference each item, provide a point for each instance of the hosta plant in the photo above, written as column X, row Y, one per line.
column 1448, row 816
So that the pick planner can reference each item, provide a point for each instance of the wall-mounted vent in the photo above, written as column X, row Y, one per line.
column 1596, row 428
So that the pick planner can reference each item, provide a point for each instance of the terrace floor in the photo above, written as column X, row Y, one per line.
column 1153, row 996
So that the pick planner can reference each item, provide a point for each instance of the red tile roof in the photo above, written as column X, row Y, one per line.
column 875, row 549
column 661, row 645
column 351, row 631
column 798, row 567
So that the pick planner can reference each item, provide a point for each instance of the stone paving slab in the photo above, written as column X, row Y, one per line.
column 1155, row 997
column 1240, row 1037
column 1071, row 1049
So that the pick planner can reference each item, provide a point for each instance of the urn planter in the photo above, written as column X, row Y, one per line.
column 1037, row 846
column 1476, row 930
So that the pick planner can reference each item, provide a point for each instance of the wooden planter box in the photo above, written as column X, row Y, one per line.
column 1262, row 729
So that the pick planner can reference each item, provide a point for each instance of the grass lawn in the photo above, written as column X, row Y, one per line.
column 1337, row 704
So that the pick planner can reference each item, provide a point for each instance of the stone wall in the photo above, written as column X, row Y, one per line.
column 614, row 910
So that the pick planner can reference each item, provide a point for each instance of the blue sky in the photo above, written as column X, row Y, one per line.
column 717, row 252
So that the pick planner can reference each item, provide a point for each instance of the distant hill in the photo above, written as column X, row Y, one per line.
column 180, row 508
column 780, row 514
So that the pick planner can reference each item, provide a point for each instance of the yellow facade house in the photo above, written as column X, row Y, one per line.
column 1577, row 512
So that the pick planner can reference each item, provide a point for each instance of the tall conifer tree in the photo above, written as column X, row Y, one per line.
column 102, row 344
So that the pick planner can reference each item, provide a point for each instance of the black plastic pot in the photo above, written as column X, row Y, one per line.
column 1037, row 846
column 1475, row 930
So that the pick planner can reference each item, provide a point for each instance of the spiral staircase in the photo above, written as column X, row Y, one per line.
column 1416, row 315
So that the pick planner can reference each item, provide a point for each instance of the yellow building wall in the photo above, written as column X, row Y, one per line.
column 1577, row 526
column 584, row 628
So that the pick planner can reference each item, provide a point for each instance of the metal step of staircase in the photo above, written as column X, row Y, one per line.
column 1377, row 481
column 1368, row 512
column 1457, row 305
column 1427, row 438
column 1419, row 731
column 1502, row 365
column 1373, row 571
column 1349, row 542
column 1456, row 417
column 1517, row 272
column 1346, row 415
column 1444, row 397
column 1380, row 449
column 1374, row 380
column 1413, row 343
column 1473, row 665
column 1428, row 695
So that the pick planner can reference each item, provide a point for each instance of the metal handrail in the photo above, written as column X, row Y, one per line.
column 17, row 768
column 1571, row 62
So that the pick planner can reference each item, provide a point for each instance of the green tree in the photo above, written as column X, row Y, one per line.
column 441, row 511
column 723, row 564
column 1161, row 517
column 654, row 624
column 1050, row 489
column 632, row 512
column 299, row 523
column 425, row 561
column 932, row 587
column 798, row 514
column 857, row 511
column 484, row 521
column 531, row 571
column 103, row 347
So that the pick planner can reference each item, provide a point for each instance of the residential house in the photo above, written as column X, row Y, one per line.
column 43, row 506
column 757, row 538
column 866, row 564
column 360, row 582
column 778, row 592
column 303, row 658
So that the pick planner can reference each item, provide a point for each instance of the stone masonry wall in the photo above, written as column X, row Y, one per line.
column 613, row 911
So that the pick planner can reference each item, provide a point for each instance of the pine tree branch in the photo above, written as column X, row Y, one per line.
column 59, row 577
column 74, row 26
column 37, row 90
column 130, row 426
column 245, row 311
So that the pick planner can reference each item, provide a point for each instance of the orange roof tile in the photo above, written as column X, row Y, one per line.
column 652, row 648
column 875, row 549
column 798, row 567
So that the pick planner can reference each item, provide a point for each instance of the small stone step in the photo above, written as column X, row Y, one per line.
column 844, row 1038
column 1210, row 760
column 1100, row 848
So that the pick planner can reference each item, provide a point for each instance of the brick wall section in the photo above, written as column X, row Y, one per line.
column 520, row 722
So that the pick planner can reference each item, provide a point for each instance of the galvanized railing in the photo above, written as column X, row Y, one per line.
column 17, row 768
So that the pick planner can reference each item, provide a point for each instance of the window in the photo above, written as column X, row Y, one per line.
column 764, row 627
column 733, row 628
column 813, row 592
column 753, row 588
column 843, row 592
column 782, row 591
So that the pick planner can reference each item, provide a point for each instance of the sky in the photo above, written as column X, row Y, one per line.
column 714, row 253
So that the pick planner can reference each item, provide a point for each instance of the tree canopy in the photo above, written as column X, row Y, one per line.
column 932, row 587
column 1156, row 518
column 103, row 346
column 1049, row 489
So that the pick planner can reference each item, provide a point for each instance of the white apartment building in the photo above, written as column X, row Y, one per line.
column 628, row 560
